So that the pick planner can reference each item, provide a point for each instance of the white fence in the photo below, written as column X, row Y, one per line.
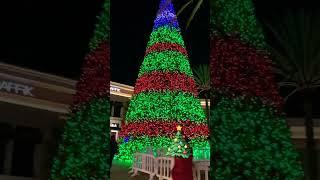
column 164, row 166
column 201, row 168
column 161, row 167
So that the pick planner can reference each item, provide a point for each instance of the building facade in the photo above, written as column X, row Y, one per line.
column 33, row 109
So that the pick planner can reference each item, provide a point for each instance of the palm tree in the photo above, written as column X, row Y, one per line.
column 297, row 60
column 202, row 78
column 195, row 9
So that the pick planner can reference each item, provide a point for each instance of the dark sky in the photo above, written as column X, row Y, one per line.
column 50, row 36
column 53, row 36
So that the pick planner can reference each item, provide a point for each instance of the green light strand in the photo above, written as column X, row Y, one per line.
column 166, row 61
column 179, row 147
column 102, row 29
column 250, row 142
column 141, row 144
column 166, row 34
column 237, row 17
column 165, row 106
column 84, row 151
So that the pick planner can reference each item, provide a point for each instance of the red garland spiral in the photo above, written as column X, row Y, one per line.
column 95, row 80
column 164, row 128
column 242, row 70
column 159, row 47
column 160, row 81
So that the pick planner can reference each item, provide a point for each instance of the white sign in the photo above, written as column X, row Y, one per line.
column 113, row 125
column 114, row 89
column 16, row 88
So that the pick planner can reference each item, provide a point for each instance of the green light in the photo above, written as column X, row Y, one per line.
column 251, row 142
column 140, row 144
column 165, row 106
column 179, row 147
column 102, row 29
column 166, row 61
column 166, row 34
column 84, row 151
column 234, row 16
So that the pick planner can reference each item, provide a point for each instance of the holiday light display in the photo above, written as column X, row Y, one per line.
column 251, row 139
column 165, row 94
column 179, row 147
column 85, row 147
column 235, row 17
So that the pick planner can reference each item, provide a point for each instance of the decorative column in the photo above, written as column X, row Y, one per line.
column 112, row 109
column 8, row 157
column 44, row 154
column 37, row 160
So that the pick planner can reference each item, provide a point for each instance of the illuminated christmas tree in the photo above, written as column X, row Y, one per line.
column 85, row 147
column 179, row 147
column 165, row 93
column 180, row 150
column 251, row 139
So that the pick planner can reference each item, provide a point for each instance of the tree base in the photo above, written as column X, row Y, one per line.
column 182, row 169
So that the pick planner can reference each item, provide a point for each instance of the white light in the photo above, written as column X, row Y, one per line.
column 16, row 88
column 114, row 89
column 113, row 125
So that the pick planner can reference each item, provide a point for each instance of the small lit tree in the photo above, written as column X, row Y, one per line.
column 180, row 150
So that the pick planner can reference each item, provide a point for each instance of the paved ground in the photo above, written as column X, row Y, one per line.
column 119, row 172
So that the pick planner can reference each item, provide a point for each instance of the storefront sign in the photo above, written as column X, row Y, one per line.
column 16, row 88
column 115, row 89
column 114, row 125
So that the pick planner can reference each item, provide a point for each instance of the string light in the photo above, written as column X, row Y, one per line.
column 158, row 47
column 165, row 106
column 96, row 64
column 159, row 81
column 238, row 68
column 251, row 139
column 238, row 18
column 164, row 128
column 166, row 34
column 167, row 61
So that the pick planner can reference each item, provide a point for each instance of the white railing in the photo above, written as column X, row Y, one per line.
column 164, row 166
column 161, row 167
column 143, row 163
column 201, row 168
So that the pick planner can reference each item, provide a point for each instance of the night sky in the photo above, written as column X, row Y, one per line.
column 49, row 36
column 53, row 36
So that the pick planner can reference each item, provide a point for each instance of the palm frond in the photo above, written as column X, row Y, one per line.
column 194, row 11
column 202, row 77
column 290, row 94
column 288, row 84
column 184, row 7
column 293, row 39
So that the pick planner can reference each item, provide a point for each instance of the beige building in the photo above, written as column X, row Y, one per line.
column 33, row 109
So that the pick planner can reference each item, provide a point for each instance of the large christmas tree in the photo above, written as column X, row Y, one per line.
column 85, row 147
column 165, row 93
column 251, row 139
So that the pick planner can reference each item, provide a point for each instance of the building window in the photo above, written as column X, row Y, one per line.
column 23, row 153
column 22, row 160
